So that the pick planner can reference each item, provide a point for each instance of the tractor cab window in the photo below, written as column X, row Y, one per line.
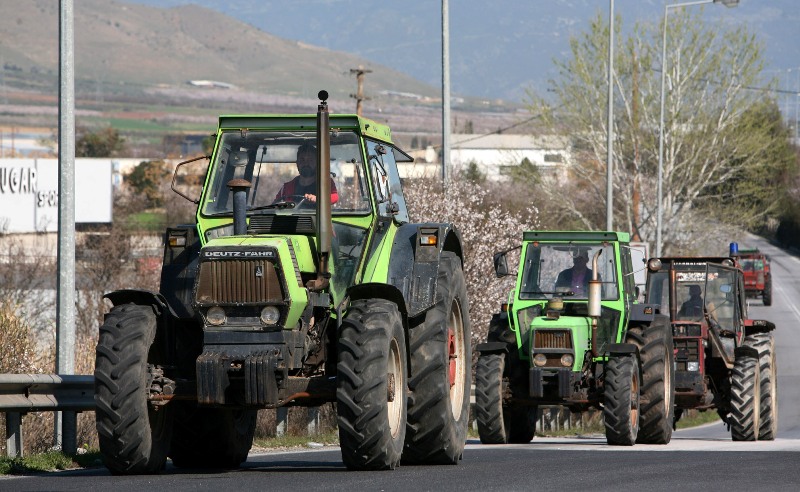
column 386, row 180
column 565, row 269
column 721, row 302
column 281, row 169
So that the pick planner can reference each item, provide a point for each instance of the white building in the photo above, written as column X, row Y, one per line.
column 496, row 155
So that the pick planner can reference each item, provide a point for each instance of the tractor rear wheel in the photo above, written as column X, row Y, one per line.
column 438, row 406
column 489, row 399
column 658, row 380
column 621, row 400
column 766, row 294
column 211, row 437
column 768, row 410
column 745, row 416
column 520, row 423
column 371, row 386
column 134, row 436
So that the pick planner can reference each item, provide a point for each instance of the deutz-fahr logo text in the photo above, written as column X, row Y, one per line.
column 238, row 254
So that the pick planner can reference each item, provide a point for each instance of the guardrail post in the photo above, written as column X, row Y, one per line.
column 13, row 434
column 281, row 421
column 69, row 432
column 313, row 421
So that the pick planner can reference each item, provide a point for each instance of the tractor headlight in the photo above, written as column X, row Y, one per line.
column 693, row 366
column 654, row 264
column 567, row 360
column 270, row 315
column 539, row 360
column 216, row 316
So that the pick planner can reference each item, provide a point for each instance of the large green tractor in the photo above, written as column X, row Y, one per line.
column 289, row 293
column 573, row 334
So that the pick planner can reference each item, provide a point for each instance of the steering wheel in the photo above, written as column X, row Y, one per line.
column 295, row 201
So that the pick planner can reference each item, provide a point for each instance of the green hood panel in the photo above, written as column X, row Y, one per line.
column 579, row 327
column 293, row 256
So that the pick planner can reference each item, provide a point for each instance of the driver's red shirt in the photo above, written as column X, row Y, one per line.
column 294, row 188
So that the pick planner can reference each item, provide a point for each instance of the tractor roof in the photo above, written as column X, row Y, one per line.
column 553, row 236
column 307, row 122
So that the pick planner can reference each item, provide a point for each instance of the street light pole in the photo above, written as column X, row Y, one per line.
column 610, row 157
column 659, row 191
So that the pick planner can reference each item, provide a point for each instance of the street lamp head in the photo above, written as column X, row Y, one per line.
column 728, row 3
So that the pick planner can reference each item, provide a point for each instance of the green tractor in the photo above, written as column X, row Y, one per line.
column 293, row 288
column 573, row 334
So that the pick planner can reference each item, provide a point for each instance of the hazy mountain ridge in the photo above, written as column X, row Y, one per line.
column 136, row 44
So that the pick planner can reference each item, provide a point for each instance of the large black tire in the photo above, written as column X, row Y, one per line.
column 767, row 362
column 621, row 400
column 745, row 416
column 134, row 437
column 766, row 295
column 371, row 386
column 520, row 423
column 489, row 398
column 211, row 437
column 658, row 380
column 441, row 366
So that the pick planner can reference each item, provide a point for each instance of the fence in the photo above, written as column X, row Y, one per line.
column 23, row 393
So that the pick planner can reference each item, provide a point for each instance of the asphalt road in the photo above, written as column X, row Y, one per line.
column 703, row 458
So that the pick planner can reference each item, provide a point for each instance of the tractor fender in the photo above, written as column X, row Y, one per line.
column 752, row 326
column 745, row 351
column 414, row 267
column 141, row 297
column 374, row 290
column 492, row 348
column 623, row 348
column 643, row 312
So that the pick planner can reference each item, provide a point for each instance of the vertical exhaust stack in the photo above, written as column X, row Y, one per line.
column 323, row 194
column 239, row 188
column 595, row 295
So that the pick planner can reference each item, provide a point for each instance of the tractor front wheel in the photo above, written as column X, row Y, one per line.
column 134, row 435
column 767, row 363
column 621, row 400
column 658, row 380
column 745, row 415
column 371, row 386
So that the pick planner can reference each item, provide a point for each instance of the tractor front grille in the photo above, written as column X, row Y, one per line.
column 238, row 282
column 552, row 339
column 281, row 224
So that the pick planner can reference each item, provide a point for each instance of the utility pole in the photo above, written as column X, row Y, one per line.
column 359, row 95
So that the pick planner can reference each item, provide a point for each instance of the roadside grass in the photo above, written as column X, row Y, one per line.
column 693, row 418
column 290, row 442
column 48, row 462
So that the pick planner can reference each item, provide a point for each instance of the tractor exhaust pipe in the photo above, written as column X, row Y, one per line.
column 239, row 189
column 323, row 194
column 595, row 295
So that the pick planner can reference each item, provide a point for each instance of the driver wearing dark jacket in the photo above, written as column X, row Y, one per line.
column 305, row 185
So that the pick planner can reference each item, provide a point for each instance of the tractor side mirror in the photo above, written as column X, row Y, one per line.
column 500, row 264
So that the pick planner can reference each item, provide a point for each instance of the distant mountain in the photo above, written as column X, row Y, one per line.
column 133, row 44
column 499, row 48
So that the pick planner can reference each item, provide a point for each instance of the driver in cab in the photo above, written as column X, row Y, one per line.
column 304, row 186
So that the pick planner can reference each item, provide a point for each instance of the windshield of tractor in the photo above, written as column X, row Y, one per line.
column 752, row 264
column 281, row 168
column 698, row 287
column 564, row 270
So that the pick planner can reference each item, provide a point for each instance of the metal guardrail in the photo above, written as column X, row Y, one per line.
column 23, row 393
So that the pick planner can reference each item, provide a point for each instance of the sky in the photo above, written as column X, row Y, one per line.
column 498, row 49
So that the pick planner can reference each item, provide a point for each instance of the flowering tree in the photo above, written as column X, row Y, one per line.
column 488, row 223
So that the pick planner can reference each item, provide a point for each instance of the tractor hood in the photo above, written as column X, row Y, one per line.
column 554, row 337
column 255, row 271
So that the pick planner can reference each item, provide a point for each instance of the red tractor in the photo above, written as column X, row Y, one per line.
column 723, row 360
column 757, row 278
